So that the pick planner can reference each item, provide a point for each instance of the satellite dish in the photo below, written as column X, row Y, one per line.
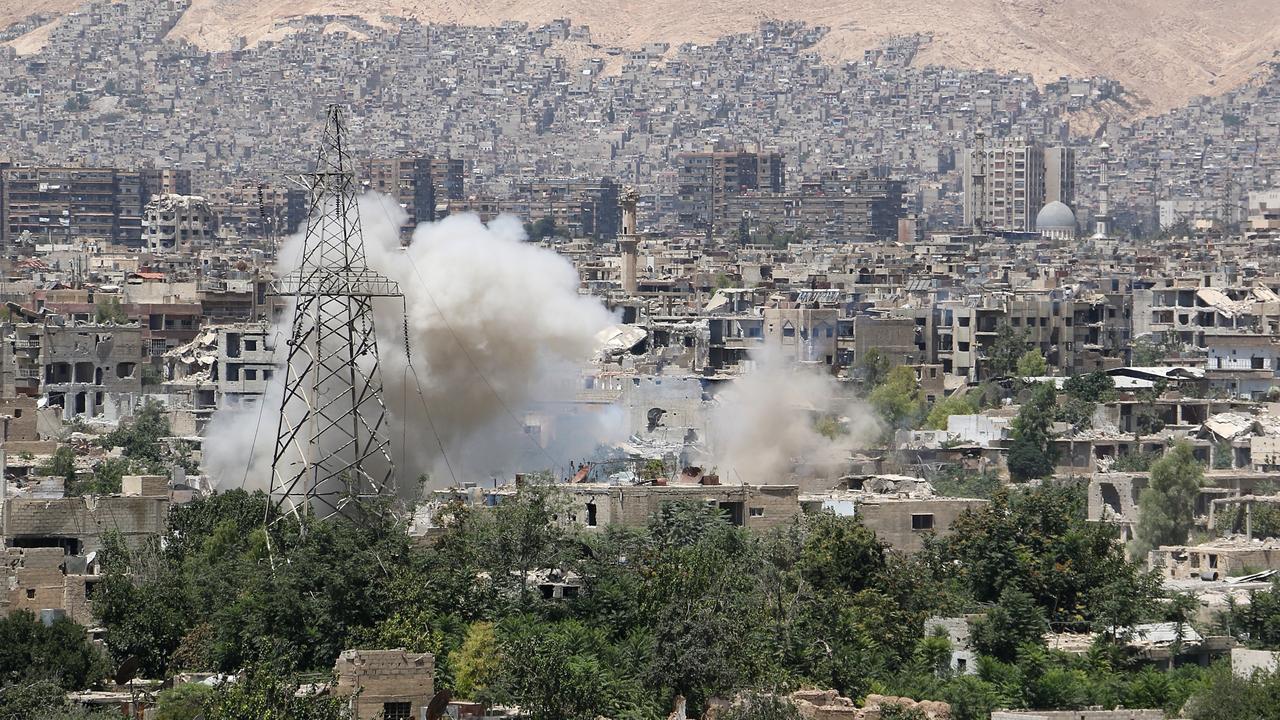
column 128, row 670
column 438, row 704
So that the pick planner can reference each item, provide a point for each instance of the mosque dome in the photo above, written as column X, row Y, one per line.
column 1056, row 218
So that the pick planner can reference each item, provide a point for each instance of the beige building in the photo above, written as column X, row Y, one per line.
column 385, row 684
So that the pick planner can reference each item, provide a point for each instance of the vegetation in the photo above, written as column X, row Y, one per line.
column 897, row 398
column 110, row 311
column 945, row 408
column 1032, row 454
column 1032, row 364
column 1168, row 502
column 1009, row 348
column 687, row 605
column 59, row 653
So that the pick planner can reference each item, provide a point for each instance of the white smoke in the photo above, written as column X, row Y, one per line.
column 765, row 427
column 498, row 333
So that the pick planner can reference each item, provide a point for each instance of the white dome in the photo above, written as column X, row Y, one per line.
column 1056, row 216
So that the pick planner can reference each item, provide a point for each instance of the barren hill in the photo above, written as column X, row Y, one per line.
column 1165, row 51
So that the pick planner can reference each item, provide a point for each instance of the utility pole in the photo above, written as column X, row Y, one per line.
column 332, row 452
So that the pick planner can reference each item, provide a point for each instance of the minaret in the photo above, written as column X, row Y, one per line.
column 1101, row 225
column 628, row 240
column 978, row 186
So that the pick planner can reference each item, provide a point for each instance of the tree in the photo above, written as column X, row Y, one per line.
column 265, row 693
column 945, row 408
column 1014, row 621
column 1091, row 387
column 897, row 398
column 875, row 366
column 60, row 652
column 44, row 700
column 182, row 702
column 1032, row 364
column 61, row 464
column 110, row 311
column 1166, row 507
column 1032, row 454
column 141, row 437
column 1007, row 349
column 1039, row 541
column 839, row 553
column 476, row 665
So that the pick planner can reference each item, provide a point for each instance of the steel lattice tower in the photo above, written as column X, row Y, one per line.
column 332, row 453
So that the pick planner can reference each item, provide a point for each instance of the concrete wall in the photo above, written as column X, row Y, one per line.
column 37, row 579
column 84, row 519
column 1245, row 662
column 384, row 676
column 892, row 519
column 758, row 507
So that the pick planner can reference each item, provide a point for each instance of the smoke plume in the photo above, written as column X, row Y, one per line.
column 768, row 426
column 497, row 334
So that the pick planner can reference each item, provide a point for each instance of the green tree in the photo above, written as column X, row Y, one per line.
column 141, row 437
column 262, row 693
column 1258, row 621
column 109, row 310
column 1039, row 541
column 182, row 702
column 1091, row 387
column 874, row 366
column 897, row 399
column 1032, row 364
column 1007, row 349
column 1013, row 622
column 1032, row 453
column 59, row 653
column 476, row 667
column 1166, row 507
column 945, row 408
column 61, row 464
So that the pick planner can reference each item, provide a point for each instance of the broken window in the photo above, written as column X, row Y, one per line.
column 1213, row 560
column 31, row 593
column 756, row 512
column 922, row 522
column 233, row 372
column 591, row 514
column 125, row 369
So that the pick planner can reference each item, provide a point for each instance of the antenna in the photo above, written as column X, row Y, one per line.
column 332, row 454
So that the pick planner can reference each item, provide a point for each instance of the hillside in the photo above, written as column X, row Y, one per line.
column 1165, row 51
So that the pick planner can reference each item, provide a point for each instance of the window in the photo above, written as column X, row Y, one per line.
column 250, row 374
column 397, row 711
column 31, row 593
column 1213, row 561
column 922, row 522
column 757, row 512
column 591, row 514
column 250, row 345
column 233, row 372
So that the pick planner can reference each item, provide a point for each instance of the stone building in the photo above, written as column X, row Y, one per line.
column 756, row 507
column 385, row 684
column 177, row 223
column 91, row 370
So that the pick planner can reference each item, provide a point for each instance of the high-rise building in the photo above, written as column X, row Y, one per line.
column 706, row 180
column 409, row 181
column 1013, row 180
column 65, row 203
column 1060, row 176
